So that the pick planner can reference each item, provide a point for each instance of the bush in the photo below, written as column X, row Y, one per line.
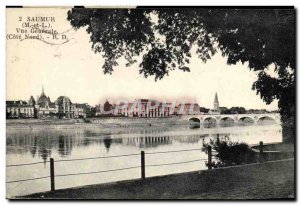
column 227, row 153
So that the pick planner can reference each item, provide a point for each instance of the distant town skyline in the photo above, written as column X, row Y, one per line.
column 123, row 99
column 72, row 69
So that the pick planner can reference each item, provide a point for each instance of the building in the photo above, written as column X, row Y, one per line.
column 216, row 102
column 65, row 107
column 129, row 110
column 143, row 108
column 107, row 109
column 98, row 110
column 216, row 109
column 121, row 109
column 19, row 109
column 44, row 106
column 80, row 110
column 31, row 101
column 187, row 109
column 88, row 110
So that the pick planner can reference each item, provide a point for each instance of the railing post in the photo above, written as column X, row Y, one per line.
column 209, row 156
column 52, row 174
column 143, row 164
column 261, row 151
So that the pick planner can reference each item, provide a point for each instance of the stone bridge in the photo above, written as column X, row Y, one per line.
column 236, row 118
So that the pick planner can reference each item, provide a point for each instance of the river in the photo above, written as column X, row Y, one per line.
column 30, row 146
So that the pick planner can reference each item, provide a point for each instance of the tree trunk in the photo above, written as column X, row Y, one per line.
column 289, row 131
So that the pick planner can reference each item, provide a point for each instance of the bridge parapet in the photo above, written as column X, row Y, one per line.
column 235, row 117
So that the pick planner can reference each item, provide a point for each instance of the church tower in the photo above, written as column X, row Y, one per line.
column 216, row 102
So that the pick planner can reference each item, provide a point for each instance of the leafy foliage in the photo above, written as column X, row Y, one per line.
column 234, row 110
column 230, row 153
column 204, row 110
column 164, row 40
column 115, row 32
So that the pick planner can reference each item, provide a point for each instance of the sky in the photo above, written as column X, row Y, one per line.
column 73, row 69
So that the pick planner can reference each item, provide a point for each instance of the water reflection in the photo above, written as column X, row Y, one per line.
column 148, row 141
column 107, row 143
column 194, row 125
column 209, row 125
column 40, row 143
column 64, row 145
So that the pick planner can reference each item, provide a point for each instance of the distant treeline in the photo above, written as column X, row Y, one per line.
column 238, row 110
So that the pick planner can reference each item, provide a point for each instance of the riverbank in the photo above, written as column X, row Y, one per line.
column 268, row 180
column 105, row 122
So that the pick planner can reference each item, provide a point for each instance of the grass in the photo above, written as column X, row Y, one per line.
column 281, row 147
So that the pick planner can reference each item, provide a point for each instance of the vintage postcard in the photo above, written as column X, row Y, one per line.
column 150, row 103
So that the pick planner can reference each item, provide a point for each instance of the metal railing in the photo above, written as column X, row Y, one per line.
column 142, row 166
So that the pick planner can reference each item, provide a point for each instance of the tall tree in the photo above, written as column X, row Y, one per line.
column 163, row 39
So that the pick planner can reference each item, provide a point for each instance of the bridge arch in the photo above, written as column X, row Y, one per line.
column 246, row 120
column 210, row 121
column 227, row 118
column 209, row 118
column 194, row 120
column 227, row 121
column 266, row 120
column 236, row 118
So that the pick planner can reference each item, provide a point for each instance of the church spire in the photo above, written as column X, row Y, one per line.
column 216, row 102
column 216, row 98
column 43, row 89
